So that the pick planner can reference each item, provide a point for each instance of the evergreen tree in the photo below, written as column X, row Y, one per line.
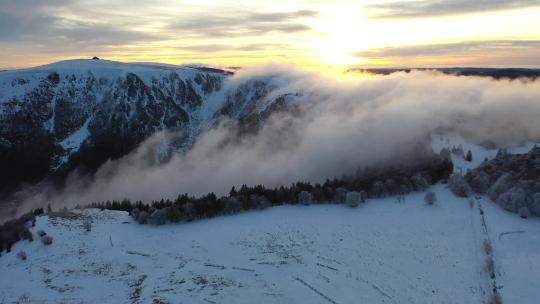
column 468, row 157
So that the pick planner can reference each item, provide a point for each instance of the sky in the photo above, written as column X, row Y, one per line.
column 225, row 33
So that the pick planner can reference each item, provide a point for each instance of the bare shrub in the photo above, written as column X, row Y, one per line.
column 87, row 224
column 495, row 298
column 489, row 267
column 21, row 255
column 26, row 234
column 488, row 249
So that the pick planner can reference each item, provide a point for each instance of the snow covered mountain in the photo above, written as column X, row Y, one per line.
column 79, row 113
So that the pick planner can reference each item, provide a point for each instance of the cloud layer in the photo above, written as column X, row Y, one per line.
column 431, row 8
column 343, row 124
column 488, row 52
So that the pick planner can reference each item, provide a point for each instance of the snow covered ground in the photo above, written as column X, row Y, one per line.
column 381, row 252
column 479, row 153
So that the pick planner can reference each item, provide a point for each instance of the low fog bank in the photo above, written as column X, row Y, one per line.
column 341, row 124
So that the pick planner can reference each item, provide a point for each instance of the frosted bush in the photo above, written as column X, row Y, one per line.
column 430, row 198
column 353, row 199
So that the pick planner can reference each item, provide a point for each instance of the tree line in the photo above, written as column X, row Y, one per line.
column 368, row 182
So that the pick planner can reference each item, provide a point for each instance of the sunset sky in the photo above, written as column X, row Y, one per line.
column 243, row 32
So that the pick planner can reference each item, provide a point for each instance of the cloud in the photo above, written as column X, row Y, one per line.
column 211, row 48
column 241, row 23
column 490, row 52
column 425, row 8
column 41, row 23
column 342, row 125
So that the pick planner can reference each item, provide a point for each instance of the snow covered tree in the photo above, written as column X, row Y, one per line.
column 419, row 182
column 143, row 217
column 158, row 217
column 353, row 199
column 501, row 185
column 391, row 186
column 445, row 153
column 261, row 202
column 363, row 196
column 479, row 181
column 135, row 213
column 189, row 211
column 173, row 214
column 458, row 150
column 305, row 198
column 513, row 199
column 233, row 205
column 524, row 212
column 378, row 189
column 535, row 204
column 430, row 198
column 458, row 185
column 340, row 195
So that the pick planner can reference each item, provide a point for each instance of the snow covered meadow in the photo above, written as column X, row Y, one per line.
column 383, row 252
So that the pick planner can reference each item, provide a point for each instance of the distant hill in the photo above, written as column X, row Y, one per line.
column 497, row 73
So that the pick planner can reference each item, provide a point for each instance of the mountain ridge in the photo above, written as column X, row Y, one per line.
column 80, row 113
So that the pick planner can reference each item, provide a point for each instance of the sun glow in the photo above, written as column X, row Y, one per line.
column 243, row 33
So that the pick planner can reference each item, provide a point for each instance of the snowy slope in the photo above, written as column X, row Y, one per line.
column 479, row 153
column 93, row 103
column 382, row 252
